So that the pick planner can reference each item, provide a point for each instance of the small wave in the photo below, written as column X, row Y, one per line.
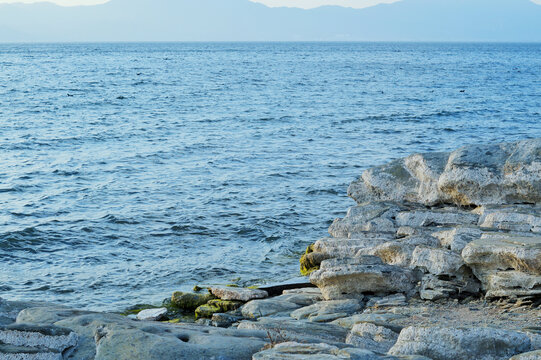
column 114, row 220
column 9, row 189
column 323, row 191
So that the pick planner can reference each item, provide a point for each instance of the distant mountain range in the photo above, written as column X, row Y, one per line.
column 242, row 20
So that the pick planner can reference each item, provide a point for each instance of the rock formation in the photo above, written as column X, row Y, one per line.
column 439, row 260
column 445, row 225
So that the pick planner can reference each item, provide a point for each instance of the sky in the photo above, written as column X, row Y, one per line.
column 293, row 3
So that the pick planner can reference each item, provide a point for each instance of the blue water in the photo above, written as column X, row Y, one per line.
column 128, row 171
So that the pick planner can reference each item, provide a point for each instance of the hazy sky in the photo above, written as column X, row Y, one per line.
column 296, row 3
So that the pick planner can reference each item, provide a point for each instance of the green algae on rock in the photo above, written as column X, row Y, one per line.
column 309, row 262
column 190, row 301
column 216, row 306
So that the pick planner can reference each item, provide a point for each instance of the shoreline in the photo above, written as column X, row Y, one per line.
column 440, row 259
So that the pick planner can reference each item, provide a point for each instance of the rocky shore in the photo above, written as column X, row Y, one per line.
column 440, row 259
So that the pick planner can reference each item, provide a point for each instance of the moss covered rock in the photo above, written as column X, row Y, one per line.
column 216, row 306
column 190, row 301
column 311, row 260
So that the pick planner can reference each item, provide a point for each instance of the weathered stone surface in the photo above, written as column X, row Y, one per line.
column 533, row 355
column 152, row 314
column 437, row 261
column 298, row 351
column 10, row 309
column 461, row 343
column 522, row 218
column 430, row 218
column 391, row 300
column 477, row 174
column 506, row 264
column 512, row 284
column 294, row 350
column 301, row 299
column 47, row 315
column 371, row 217
column 190, row 301
column 240, row 294
column 372, row 337
column 10, row 352
column 48, row 339
column 108, row 337
column 412, row 179
column 288, row 329
column 347, row 278
column 457, row 238
column 216, row 306
column 224, row 320
column 388, row 320
column 503, row 252
column 259, row 308
column 319, row 309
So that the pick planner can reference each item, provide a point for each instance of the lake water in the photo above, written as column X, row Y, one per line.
column 128, row 171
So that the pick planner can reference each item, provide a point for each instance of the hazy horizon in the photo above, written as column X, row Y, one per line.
column 250, row 20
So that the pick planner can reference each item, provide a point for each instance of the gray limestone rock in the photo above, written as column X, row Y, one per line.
column 388, row 320
column 152, row 314
column 350, row 278
column 108, row 337
column 319, row 309
column 288, row 329
column 239, row 294
column 455, row 239
column 370, row 217
column 505, row 263
column 259, row 308
column 533, row 355
column 506, row 173
column 461, row 343
column 372, row 337
column 49, row 337
column 437, row 261
column 431, row 218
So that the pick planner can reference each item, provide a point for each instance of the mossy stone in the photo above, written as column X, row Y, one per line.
column 307, row 264
column 190, row 301
column 216, row 306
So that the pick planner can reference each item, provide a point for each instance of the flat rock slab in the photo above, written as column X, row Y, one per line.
column 112, row 337
column 533, row 355
column 372, row 337
column 299, row 351
column 461, row 343
column 388, row 320
column 49, row 337
column 266, row 307
column 152, row 314
column 239, row 294
column 287, row 329
column 347, row 278
column 345, row 307
column 10, row 352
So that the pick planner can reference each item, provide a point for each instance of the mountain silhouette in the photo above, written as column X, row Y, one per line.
column 242, row 20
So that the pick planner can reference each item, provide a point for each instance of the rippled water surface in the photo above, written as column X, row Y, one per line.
column 128, row 171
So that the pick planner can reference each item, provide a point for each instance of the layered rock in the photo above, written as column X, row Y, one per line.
column 461, row 343
column 444, row 225
column 506, row 173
